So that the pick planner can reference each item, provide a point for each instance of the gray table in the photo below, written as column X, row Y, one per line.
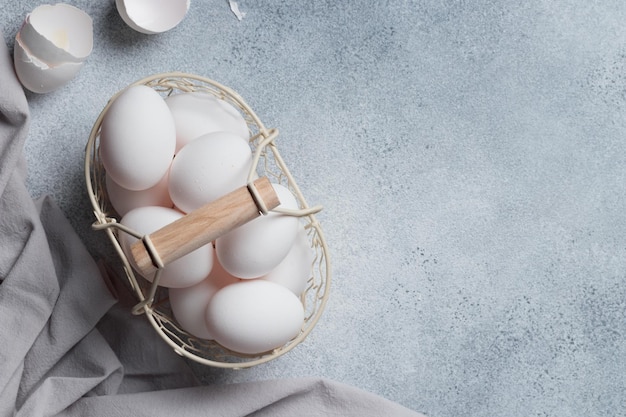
column 470, row 159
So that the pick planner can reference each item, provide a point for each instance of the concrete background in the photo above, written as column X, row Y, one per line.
column 470, row 159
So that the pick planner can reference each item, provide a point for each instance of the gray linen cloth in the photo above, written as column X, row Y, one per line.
column 72, row 348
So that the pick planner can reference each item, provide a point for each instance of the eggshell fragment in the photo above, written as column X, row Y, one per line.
column 137, row 138
column 196, row 114
column 57, row 34
column 255, row 248
column 152, row 16
column 124, row 200
column 294, row 271
column 189, row 304
column 36, row 75
column 183, row 272
column 208, row 168
column 256, row 316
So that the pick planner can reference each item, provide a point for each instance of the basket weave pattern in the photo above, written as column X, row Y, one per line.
column 153, row 299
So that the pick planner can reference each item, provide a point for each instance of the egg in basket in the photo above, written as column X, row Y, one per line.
column 226, row 258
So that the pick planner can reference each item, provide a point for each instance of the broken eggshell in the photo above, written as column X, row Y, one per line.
column 152, row 16
column 39, row 77
column 51, row 46
column 58, row 34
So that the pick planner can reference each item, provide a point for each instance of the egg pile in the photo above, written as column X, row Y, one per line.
column 166, row 157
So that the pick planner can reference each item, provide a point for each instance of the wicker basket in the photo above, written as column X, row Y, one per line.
column 153, row 299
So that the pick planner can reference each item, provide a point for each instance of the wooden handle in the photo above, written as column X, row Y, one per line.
column 203, row 226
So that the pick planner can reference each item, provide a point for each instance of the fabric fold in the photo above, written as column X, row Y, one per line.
column 306, row 397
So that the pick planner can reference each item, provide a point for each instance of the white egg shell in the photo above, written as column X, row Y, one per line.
column 295, row 270
column 137, row 138
column 196, row 114
column 255, row 248
column 124, row 200
column 183, row 272
column 57, row 34
column 189, row 304
column 152, row 16
column 255, row 316
column 208, row 168
column 36, row 75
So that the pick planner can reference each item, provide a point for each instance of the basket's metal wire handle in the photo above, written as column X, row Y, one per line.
column 108, row 223
column 268, row 139
column 140, row 307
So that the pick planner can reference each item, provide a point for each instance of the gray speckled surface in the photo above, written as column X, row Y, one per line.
column 470, row 158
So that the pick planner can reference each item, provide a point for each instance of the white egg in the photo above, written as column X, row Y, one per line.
column 196, row 114
column 137, row 138
column 152, row 16
column 295, row 270
column 254, row 316
column 189, row 304
column 255, row 248
column 208, row 168
column 183, row 272
column 124, row 200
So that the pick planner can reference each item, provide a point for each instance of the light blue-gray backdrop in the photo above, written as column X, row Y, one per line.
column 470, row 156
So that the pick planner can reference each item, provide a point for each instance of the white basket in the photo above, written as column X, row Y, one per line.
column 153, row 299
